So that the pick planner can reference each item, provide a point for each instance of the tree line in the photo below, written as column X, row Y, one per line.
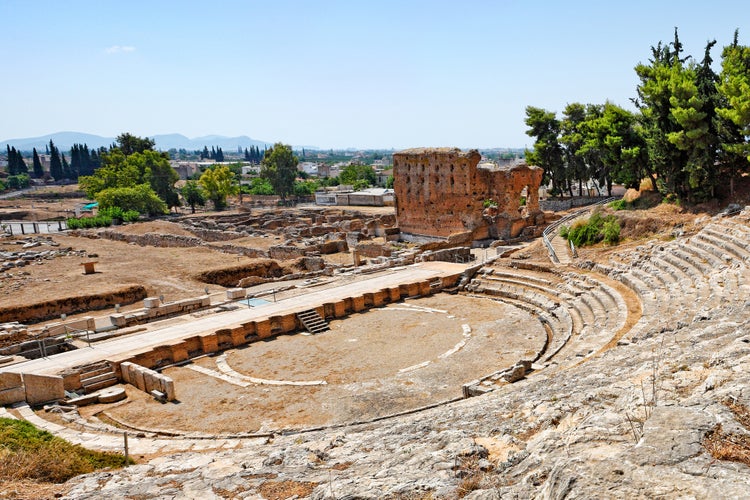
column 688, row 135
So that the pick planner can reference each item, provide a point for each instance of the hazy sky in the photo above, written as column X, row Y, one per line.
column 350, row 73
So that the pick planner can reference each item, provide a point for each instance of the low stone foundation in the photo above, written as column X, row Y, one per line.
column 147, row 380
column 153, row 309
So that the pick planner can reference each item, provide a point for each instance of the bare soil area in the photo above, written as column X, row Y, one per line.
column 172, row 272
column 163, row 271
column 384, row 361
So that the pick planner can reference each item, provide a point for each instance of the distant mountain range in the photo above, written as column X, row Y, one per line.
column 65, row 140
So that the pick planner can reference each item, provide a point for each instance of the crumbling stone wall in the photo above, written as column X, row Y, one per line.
column 443, row 191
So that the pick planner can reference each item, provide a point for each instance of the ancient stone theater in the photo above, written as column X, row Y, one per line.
column 444, row 192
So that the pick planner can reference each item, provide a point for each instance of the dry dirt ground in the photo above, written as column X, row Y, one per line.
column 171, row 272
column 388, row 360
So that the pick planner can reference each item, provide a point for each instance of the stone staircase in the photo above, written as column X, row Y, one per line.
column 312, row 321
column 97, row 376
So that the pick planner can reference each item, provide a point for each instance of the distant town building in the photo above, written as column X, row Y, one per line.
column 344, row 195
column 308, row 167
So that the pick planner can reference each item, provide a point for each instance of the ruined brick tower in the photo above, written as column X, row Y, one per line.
column 442, row 192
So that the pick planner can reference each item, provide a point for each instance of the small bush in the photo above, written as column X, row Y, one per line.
column 89, row 222
column 611, row 231
column 112, row 212
column 130, row 215
column 619, row 205
column 564, row 230
column 594, row 230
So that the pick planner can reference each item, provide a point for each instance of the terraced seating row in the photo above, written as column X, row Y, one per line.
column 582, row 312
column 685, row 279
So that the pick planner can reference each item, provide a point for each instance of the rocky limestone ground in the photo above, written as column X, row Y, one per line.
column 632, row 422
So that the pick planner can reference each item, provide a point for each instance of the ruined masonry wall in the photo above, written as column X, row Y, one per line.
column 442, row 191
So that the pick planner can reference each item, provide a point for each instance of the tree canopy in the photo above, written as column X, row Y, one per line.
column 689, row 134
column 279, row 167
column 358, row 176
column 132, row 163
column 218, row 183
column 193, row 194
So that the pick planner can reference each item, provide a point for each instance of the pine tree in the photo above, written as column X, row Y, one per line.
column 38, row 170
column 733, row 111
column 204, row 153
column 219, row 155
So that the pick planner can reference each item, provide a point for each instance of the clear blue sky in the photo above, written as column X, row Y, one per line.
column 368, row 74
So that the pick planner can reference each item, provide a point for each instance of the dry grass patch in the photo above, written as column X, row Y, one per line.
column 27, row 453
column 729, row 445
column 280, row 490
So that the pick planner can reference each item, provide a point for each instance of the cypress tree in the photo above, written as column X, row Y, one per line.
column 11, row 160
column 94, row 161
column 67, row 172
column 55, row 165
column 75, row 157
column 38, row 170
column 21, row 167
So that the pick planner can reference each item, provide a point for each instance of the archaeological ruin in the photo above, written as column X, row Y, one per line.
column 325, row 357
column 443, row 192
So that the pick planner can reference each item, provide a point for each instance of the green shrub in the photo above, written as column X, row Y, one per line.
column 73, row 223
column 619, row 205
column 564, row 230
column 611, row 231
column 89, row 222
column 19, row 181
column 141, row 198
column 130, row 215
column 594, row 230
column 112, row 212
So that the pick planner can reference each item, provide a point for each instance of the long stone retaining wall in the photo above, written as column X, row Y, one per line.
column 37, row 389
column 151, row 239
column 49, row 309
column 252, row 331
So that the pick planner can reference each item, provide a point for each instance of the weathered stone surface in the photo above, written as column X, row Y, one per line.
column 442, row 191
column 43, row 388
